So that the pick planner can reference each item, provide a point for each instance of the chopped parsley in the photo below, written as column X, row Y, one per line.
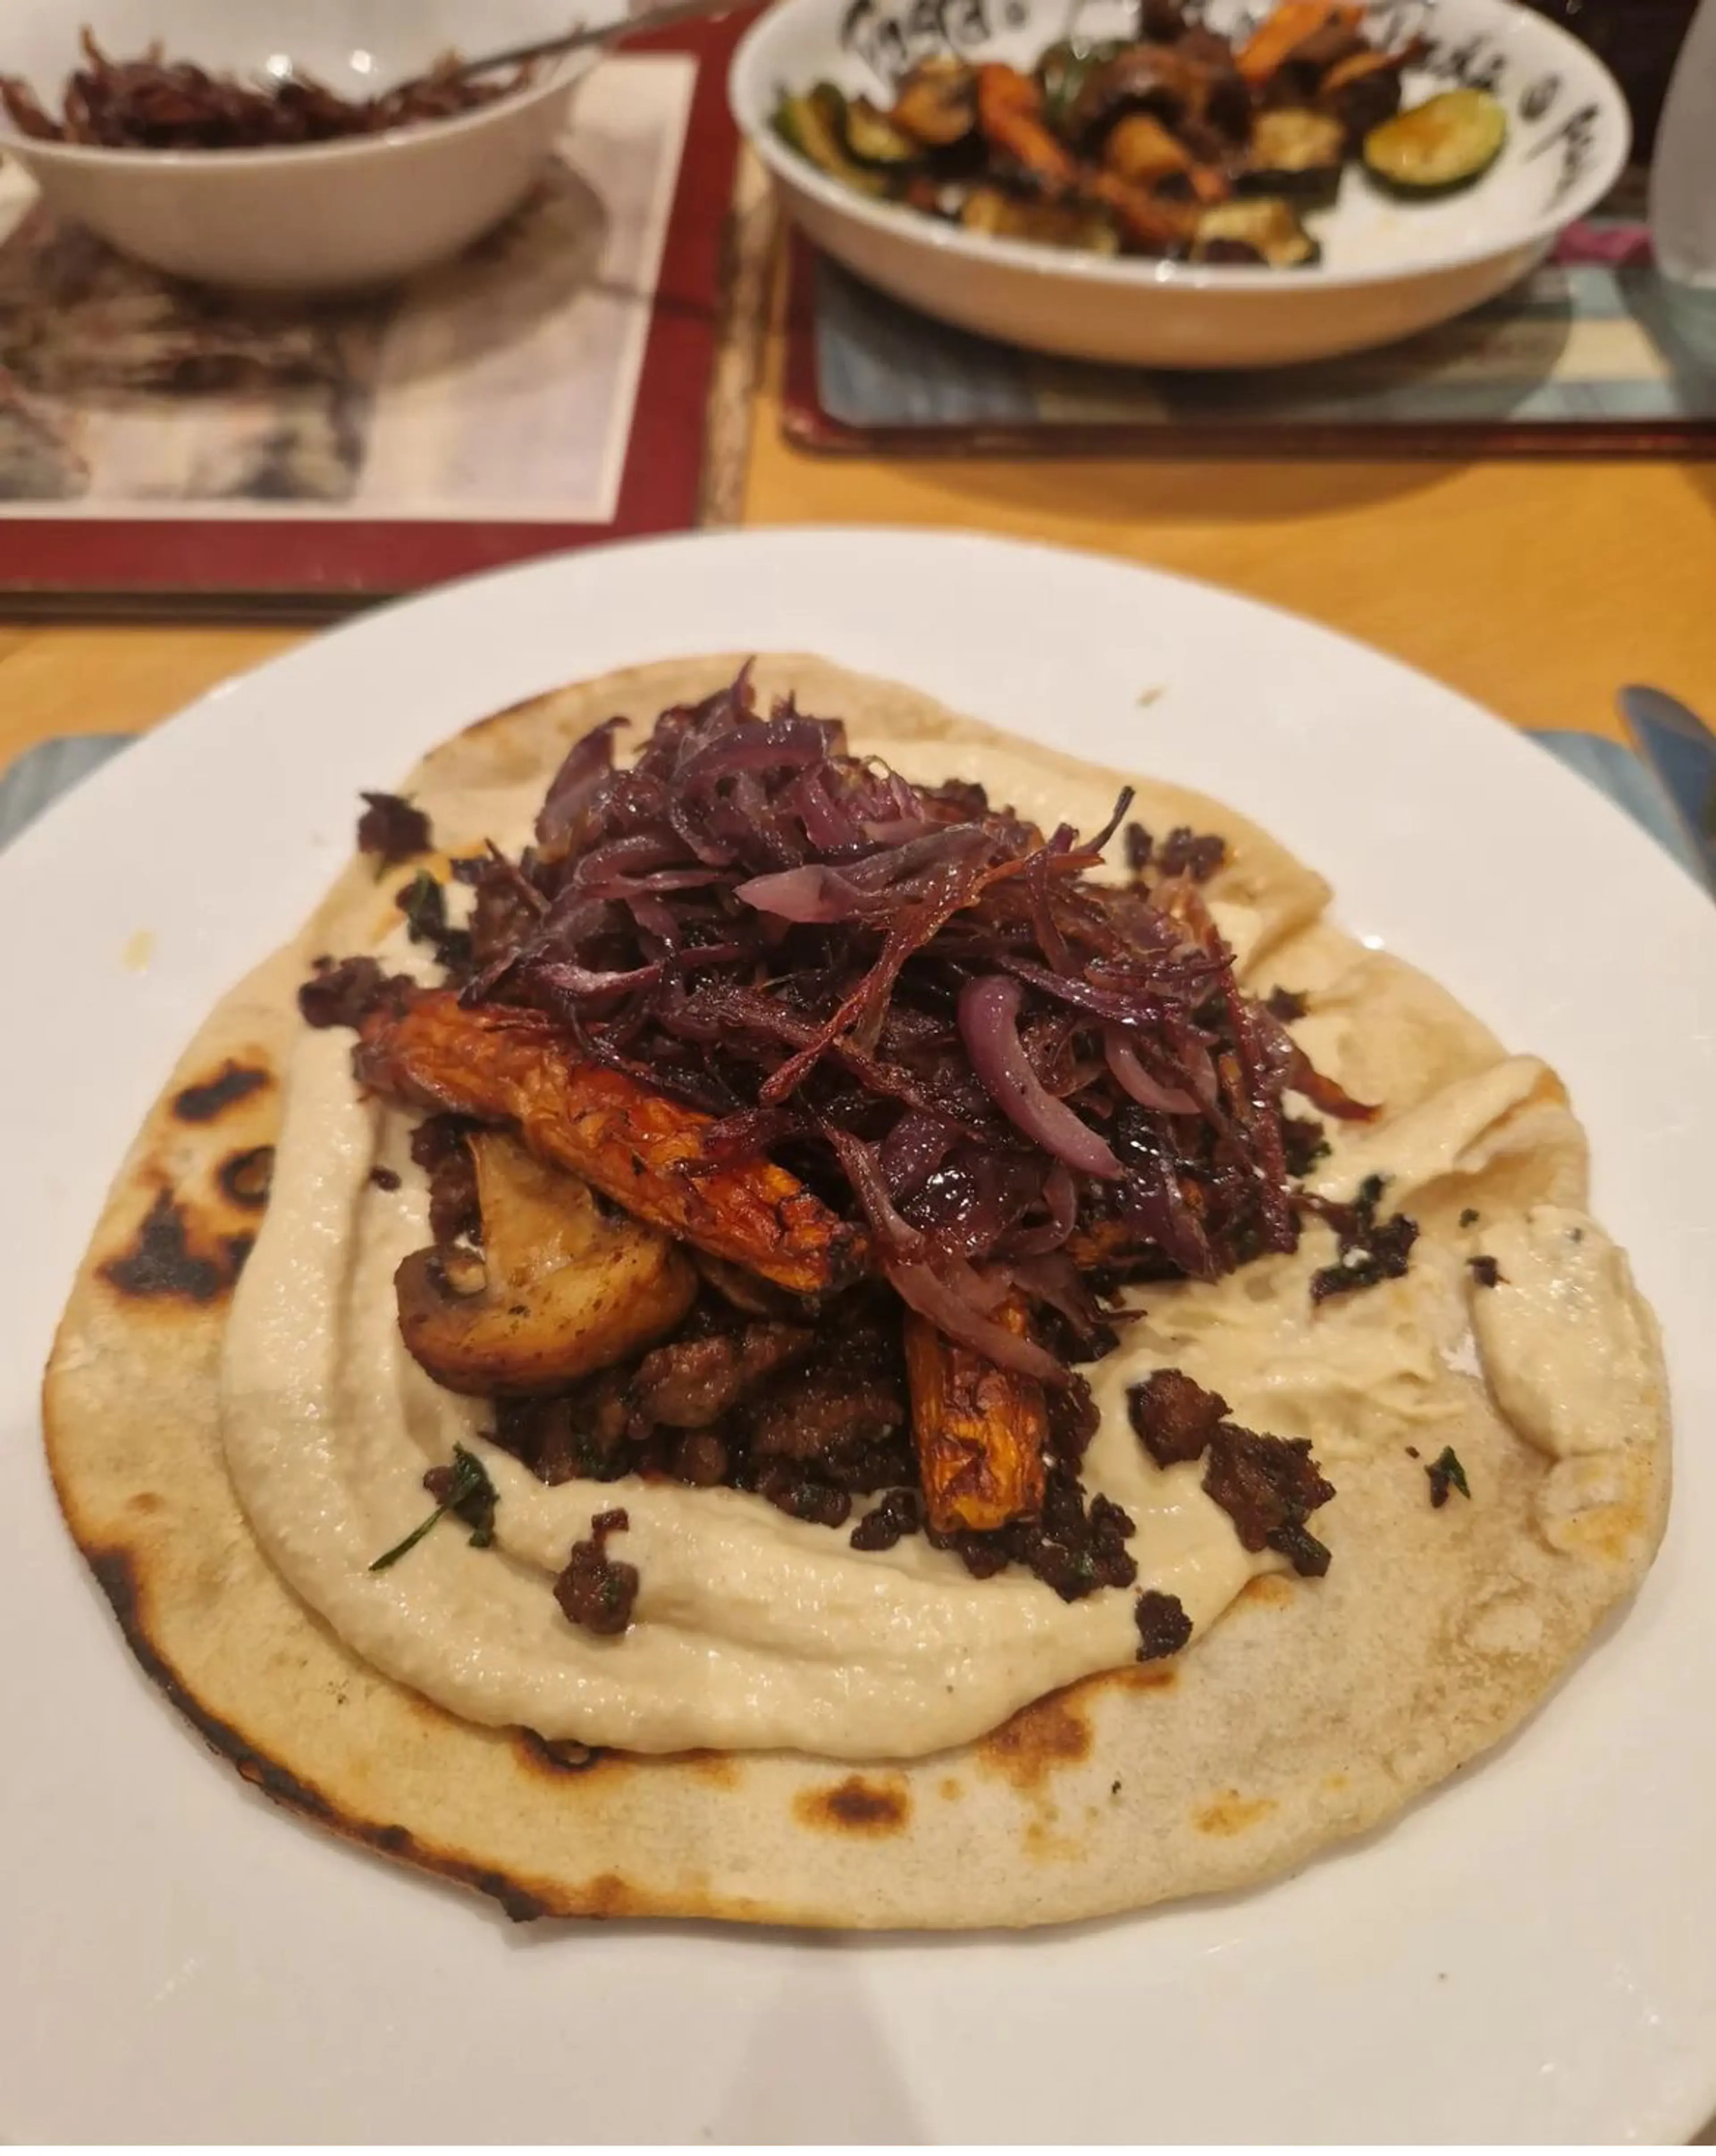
column 464, row 1489
column 1446, row 1473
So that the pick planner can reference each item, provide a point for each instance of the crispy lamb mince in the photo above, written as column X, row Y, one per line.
column 1269, row 1487
column 392, row 829
column 344, row 992
column 898, row 1071
column 156, row 104
column 1164, row 1627
column 1371, row 1251
column 596, row 1590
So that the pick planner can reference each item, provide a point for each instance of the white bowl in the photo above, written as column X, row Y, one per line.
column 1387, row 269
column 325, row 217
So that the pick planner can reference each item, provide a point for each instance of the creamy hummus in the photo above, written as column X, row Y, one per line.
column 752, row 1629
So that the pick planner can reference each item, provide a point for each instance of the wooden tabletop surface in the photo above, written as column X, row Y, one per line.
column 1535, row 588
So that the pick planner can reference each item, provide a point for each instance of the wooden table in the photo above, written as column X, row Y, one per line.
column 1535, row 587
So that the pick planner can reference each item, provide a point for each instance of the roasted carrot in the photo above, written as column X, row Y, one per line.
column 979, row 1430
column 645, row 1151
column 1276, row 39
column 1358, row 65
column 1147, row 221
column 1009, row 117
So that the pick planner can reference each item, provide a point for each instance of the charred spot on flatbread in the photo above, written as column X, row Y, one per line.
column 234, row 1081
column 1031, row 1745
column 860, row 1804
column 244, row 1176
column 165, row 1262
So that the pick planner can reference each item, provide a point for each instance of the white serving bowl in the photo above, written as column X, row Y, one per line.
column 1387, row 269
column 322, row 218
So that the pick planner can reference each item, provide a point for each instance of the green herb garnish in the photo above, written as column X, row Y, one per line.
column 424, row 903
column 463, row 1488
column 1446, row 1473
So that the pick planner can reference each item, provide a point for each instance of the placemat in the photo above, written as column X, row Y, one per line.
column 1596, row 354
column 576, row 376
column 36, row 778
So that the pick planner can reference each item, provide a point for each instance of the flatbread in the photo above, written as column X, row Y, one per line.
column 1313, row 1710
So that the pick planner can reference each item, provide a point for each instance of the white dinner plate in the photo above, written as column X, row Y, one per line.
column 1527, row 1955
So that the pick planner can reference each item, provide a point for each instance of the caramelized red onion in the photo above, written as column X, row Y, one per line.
column 989, row 1023
column 918, row 1002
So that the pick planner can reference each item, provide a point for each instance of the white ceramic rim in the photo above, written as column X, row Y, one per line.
column 1134, row 274
column 32, row 149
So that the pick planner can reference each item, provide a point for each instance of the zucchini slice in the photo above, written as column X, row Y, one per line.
column 873, row 139
column 814, row 125
column 1263, row 223
column 937, row 102
column 1297, row 154
column 1438, row 147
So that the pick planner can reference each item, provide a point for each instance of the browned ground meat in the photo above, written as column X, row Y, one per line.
column 1269, row 1487
column 822, row 1414
column 1074, row 1548
column 1371, row 1251
column 1164, row 1627
column 345, row 992
column 1287, row 1004
column 1186, row 852
column 391, row 827
column 690, row 1383
column 439, row 1147
column 802, row 1494
column 1073, row 1417
column 1304, row 1143
column 899, row 1514
column 1174, row 1416
column 596, row 1590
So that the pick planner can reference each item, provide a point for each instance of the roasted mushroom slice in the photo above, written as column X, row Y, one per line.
column 937, row 102
column 1140, row 149
column 1297, row 154
column 1264, row 226
column 1439, row 147
column 560, row 1288
column 1149, row 79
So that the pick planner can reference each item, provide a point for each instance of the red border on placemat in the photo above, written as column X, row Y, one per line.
column 346, row 559
column 807, row 425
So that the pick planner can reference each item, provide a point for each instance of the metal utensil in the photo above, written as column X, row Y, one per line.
column 605, row 32
column 1681, row 750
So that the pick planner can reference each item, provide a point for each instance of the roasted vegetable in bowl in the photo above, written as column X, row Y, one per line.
column 1177, row 144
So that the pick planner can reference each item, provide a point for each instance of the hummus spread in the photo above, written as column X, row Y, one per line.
column 752, row 1629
